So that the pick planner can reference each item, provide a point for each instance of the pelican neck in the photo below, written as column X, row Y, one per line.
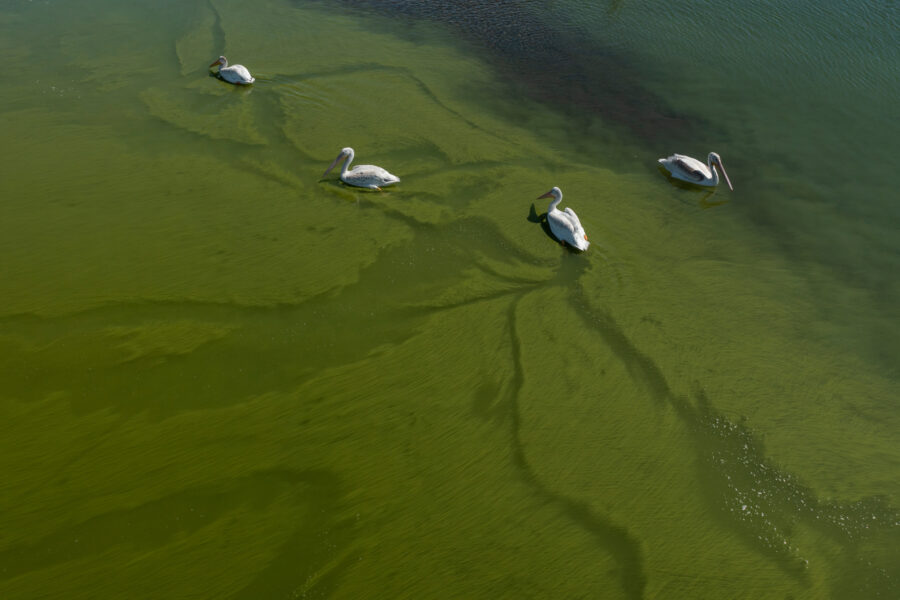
column 714, row 173
column 347, row 162
column 554, row 203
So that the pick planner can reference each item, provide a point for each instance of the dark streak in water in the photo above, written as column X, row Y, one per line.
column 763, row 502
column 614, row 538
column 565, row 70
column 218, row 33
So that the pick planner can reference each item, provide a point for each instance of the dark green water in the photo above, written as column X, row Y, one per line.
column 222, row 376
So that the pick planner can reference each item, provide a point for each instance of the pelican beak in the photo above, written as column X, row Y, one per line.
column 336, row 161
column 218, row 62
column 724, row 174
column 547, row 195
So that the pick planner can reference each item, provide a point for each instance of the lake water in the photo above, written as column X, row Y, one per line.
column 225, row 376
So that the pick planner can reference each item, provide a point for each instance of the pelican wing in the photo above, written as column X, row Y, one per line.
column 581, row 241
column 369, row 176
column 691, row 172
column 574, row 220
column 562, row 225
column 567, row 228
column 690, row 167
column 236, row 74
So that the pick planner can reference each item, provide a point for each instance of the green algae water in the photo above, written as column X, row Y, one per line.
column 225, row 376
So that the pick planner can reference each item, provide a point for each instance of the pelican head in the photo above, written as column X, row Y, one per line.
column 715, row 159
column 554, row 192
column 344, row 153
column 221, row 61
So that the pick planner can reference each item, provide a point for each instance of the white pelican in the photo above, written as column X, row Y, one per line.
column 692, row 170
column 236, row 74
column 367, row 176
column 565, row 224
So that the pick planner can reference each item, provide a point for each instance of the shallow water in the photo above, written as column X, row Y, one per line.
column 226, row 376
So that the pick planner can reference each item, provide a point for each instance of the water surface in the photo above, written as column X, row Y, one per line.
column 225, row 376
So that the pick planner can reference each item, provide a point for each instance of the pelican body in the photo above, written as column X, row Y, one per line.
column 236, row 74
column 367, row 176
column 693, row 171
column 565, row 225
